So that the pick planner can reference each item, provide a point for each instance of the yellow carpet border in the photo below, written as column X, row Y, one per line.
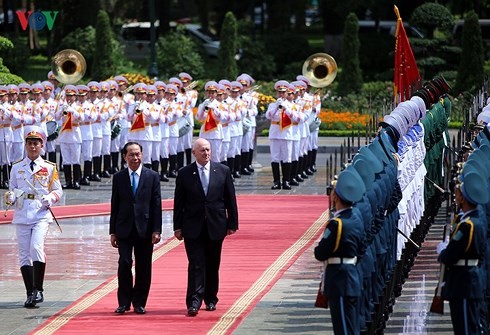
column 235, row 311
column 242, row 304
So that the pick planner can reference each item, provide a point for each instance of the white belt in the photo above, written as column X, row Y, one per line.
column 342, row 260
column 466, row 262
column 30, row 196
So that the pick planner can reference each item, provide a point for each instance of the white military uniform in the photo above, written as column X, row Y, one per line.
column 31, row 216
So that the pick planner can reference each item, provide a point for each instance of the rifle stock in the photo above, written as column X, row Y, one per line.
column 437, row 305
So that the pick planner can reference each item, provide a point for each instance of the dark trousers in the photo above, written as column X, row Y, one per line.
column 345, row 315
column 465, row 315
column 143, row 250
column 204, row 256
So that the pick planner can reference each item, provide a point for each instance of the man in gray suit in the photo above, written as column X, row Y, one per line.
column 135, row 223
column 205, row 211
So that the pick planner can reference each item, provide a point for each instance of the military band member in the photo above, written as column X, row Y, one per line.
column 93, row 95
column 181, row 99
column 209, row 114
column 70, row 114
column 174, row 112
column 281, row 115
column 316, row 108
column 17, row 149
column 252, row 99
column 89, row 116
column 247, row 118
column 191, row 101
column 34, row 186
column 140, row 118
column 236, row 112
column 162, row 101
column 52, row 106
column 105, row 115
column 340, row 247
column 155, row 111
column 5, row 137
column 115, row 123
column 128, row 99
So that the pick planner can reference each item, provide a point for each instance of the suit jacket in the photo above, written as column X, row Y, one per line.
column 193, row 209
column 143, row 210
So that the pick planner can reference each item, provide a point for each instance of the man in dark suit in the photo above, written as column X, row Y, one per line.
column 205, row 211
column 136, row 222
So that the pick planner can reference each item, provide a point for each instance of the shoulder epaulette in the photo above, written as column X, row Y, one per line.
column 50, row 162
column 20, row 160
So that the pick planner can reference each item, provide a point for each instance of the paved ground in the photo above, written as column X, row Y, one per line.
column 85, row 259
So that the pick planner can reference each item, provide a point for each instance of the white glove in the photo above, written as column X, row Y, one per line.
column 47, row 200
column 441, row 246
column 9, row 198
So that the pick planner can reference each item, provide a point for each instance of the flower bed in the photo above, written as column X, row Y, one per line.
column 343, row 120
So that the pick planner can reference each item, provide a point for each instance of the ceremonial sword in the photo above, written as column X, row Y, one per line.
column 49, row 208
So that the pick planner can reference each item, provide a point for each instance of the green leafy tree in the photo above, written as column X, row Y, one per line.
column 5, row 76
column 228, row 47
column 177, row 52
column 470, row 73
column 103, row 65
column 350, row 79
column 431, row 16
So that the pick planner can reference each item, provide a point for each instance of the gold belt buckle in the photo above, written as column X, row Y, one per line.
column 31, row 196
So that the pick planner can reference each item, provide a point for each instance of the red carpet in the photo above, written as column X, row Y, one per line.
column 274, row 231
column 74, row 211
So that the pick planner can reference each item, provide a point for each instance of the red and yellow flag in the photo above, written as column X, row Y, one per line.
column 285, row 121
column 67, row 125
column 210, row 123
column 407, row 77
column 139, row 123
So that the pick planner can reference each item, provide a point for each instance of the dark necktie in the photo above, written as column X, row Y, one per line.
column 204, row 180
column 32, row 165
column 135, row 183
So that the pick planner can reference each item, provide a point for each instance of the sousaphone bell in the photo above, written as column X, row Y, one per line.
column 320, row 69
column 68, row 66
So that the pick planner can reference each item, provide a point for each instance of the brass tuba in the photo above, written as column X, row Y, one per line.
column 68, row 66
column 320, row 69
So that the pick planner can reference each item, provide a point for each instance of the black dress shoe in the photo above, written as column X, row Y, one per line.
column 95, row 177
column 192, row 311
column 237, row 174
column 245, row 172
column 250, row 168
column 121, row 309
column 37, row 296
column 67, row 186
column 299, row 179
column 76, row 186
column 106, row 174
column 164, row 178
column 293, row 182
column 172, row 174
column 285, row 185
column 304, row 175
column 30, row 303
column 139, row 310
column 84, row 181
column 276, row 186
column 211, row 307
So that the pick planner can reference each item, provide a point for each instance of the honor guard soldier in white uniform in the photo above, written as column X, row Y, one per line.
column 18, row 120
column 191, row 101
column 5, row 137
column 281, row 135
column 174, row 112
column 115, row 123
column 164, row 129
column 316, row 108
column 52, row 106
column 181, row 99
column 155, row 110
column 128, row 99
column 299, row 164
column 237, row 109
column 209, row 114
column 94, row 89
column 139, row 115
column 89, row 116
column 225, row 119
column 70, row 114
column 39, row 106
column 105, row 116
column 34, row 187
